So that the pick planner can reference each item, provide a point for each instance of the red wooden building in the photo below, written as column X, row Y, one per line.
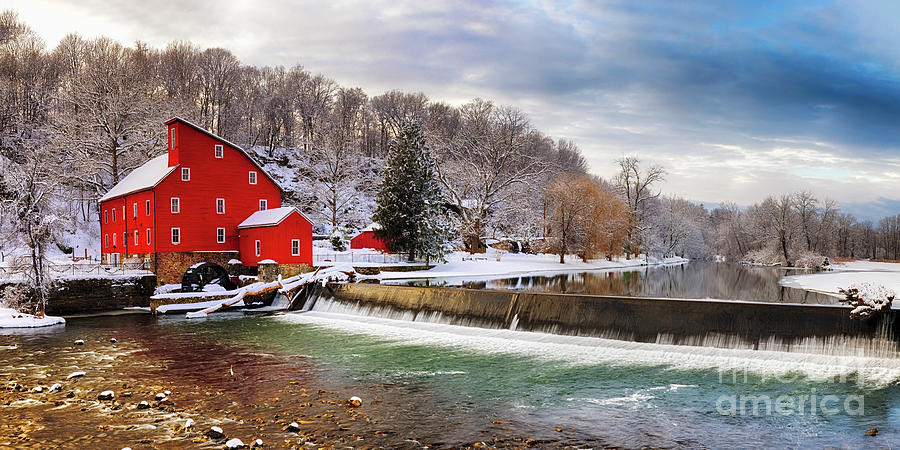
column 366, row 239
column 276, row 234
column 185, row 206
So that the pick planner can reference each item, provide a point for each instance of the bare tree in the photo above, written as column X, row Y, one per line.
column 635, row 184
column 29, row 215
column 490, row 155
column 585, row 218
column 109, row 119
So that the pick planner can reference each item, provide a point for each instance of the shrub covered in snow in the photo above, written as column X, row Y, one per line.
column 868, row 299
column 765, row 257
column 811, row 260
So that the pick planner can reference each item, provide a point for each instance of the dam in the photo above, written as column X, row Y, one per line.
column 783, row 327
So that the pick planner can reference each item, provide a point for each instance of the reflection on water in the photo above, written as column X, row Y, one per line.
column 692, row 280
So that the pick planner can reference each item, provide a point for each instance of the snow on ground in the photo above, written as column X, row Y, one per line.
column 845, row 274
column 462, row 264
column 10, row 318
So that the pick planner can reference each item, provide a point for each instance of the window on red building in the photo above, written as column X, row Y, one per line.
column 220, row 235
column 176, row 235
column 176, row 205
column 295, row 247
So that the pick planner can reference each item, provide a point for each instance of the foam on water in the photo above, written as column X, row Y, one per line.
column 589, row 351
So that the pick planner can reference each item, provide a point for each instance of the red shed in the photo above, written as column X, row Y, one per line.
column 366, row 239
column 280, row 234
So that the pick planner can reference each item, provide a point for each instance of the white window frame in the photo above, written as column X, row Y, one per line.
column 172, row 138
column 295, row 247
column 222, row 201
column 114, row 239
column 148, row 236
column 114, row 215
column 174, row 233
column 106, row 240
column 251, row 177
column 137, row 237
column 105, row 216
column 263, row 204
column 175, row 205
column 123, row 213
column 147, row 207
column 134, row 209
column 219, row 151
column 220, row 235
column 258, row 247
column 185, row 174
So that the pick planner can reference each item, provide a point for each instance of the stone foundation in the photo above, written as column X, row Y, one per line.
column 170, row 266
column 270, row 272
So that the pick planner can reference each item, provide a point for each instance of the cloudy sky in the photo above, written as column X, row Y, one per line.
column 736, row 100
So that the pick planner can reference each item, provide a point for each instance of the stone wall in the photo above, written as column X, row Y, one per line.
column 170, row 266
column 270, row 272
column 84, row 295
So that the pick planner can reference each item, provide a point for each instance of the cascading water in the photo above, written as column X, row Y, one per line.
column 807, row 329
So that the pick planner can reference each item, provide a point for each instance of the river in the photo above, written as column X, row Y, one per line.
column 699, row 279
column 427, row 384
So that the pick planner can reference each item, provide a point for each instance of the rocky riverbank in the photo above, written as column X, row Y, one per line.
column 167, row 395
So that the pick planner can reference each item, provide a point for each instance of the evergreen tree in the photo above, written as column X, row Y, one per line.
column 409, row 202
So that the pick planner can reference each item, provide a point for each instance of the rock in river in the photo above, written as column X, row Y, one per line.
column 215, row 433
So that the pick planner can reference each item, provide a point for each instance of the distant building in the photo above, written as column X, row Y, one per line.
column 206, row 199
column 366, row 239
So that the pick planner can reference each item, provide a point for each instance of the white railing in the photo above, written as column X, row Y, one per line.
column 79, row 268
column 373, row 258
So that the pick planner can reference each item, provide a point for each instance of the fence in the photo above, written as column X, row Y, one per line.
column 373, row 258
column 79, row 268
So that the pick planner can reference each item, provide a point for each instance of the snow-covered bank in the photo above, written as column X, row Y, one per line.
column 10, row 318
column 462, row 264
column 845, row 274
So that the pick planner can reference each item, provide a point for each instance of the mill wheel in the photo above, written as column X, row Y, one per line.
column 200, row 275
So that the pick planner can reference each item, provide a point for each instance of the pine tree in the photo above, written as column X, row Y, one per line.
column 409, row 209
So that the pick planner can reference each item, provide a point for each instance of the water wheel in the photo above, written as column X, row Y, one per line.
column 201, row 275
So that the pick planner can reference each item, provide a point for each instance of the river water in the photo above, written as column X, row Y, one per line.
column 698, row 279
column 428, row 383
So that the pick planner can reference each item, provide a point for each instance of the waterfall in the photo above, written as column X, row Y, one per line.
column 807, row 329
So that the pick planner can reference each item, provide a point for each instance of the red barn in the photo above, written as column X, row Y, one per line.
column 366, row 239
column 185, row 206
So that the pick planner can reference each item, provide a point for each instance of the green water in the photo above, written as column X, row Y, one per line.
column 453, row 386
column 551, row 387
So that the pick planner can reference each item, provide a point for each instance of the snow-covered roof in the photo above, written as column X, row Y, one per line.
column 372, row 227
column 145, row 176
column 270, row 217
column 230, row 144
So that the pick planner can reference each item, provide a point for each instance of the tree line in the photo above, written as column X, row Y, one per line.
column 76, row 118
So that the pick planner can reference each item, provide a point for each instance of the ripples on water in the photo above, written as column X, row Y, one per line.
column 456, row 385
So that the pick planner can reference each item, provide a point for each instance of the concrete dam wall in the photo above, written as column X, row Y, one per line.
column 820, row 329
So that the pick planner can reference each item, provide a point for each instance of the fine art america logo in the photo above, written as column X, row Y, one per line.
column 811, row 401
